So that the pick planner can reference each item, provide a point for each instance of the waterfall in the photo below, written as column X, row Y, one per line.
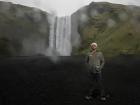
column 60, row 35
column 52, row 32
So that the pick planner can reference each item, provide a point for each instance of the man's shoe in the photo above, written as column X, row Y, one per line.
column 88, row 97
column 103, row 98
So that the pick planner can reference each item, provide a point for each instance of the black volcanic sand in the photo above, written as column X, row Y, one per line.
column 40, row 81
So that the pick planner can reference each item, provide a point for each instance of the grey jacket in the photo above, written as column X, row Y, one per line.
column 95, row 62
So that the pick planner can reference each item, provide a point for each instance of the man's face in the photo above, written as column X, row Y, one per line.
column 93, row 47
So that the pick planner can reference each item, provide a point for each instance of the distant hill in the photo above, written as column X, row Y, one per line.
column 115, row 27
column 23, row 30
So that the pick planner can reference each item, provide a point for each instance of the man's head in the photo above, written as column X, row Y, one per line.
column 93, row 46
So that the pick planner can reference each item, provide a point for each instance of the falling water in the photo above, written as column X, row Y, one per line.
column 52, row 32
column 60, row 35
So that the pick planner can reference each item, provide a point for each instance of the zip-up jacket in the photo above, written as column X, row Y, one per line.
column 95, row 62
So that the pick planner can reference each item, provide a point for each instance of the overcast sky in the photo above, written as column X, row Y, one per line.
column 66, row 7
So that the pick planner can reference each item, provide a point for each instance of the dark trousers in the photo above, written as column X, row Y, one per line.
column 96, row 84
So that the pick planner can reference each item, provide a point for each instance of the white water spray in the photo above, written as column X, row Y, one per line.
column 60, row 35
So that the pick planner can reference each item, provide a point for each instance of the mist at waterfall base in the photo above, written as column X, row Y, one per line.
column 60, row 42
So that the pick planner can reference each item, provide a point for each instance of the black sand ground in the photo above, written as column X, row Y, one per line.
column 39, row 81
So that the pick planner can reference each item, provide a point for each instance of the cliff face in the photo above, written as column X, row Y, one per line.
column 23, row 30
column 114, row 27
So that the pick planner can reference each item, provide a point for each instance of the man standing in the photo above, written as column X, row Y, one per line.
column 95, row 61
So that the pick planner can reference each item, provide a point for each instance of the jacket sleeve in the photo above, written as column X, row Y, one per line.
column 87, row 59
column 102, row 60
